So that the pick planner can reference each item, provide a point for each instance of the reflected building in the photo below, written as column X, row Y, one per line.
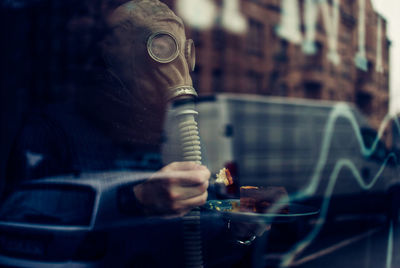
column 264, row 60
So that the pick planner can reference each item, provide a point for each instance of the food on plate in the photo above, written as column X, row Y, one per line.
column 260, row 199
column 225, row 177
column 252, row 198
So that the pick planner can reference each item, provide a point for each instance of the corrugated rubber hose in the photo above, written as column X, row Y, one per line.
column 191, row 151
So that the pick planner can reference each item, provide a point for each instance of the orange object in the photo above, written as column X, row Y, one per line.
column 225, row 177
column 228, row 176
column 260, row 199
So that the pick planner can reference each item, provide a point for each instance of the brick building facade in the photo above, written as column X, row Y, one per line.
column 263, row 61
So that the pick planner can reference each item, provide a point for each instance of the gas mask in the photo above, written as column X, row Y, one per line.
column 164, row 48
column 147, row 52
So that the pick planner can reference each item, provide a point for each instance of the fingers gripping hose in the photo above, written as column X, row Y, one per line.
column 191, row 151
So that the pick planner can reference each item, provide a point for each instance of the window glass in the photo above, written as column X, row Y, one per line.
column 293, row 107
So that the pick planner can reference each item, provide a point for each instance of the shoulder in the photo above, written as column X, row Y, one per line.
column 41, row 148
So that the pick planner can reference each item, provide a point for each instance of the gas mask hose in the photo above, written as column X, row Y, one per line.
column 164, row 48
column 189, row 133
column 191, row 151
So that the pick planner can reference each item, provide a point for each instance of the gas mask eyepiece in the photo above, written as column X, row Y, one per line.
column 164, row 48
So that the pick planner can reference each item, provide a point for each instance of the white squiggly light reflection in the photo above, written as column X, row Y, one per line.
column 339, row 110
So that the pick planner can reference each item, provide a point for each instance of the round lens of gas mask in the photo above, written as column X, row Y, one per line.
column 162, row 47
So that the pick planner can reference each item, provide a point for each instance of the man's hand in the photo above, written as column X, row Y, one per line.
column 174, row 190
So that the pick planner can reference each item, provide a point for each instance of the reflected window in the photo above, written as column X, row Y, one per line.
column 217, row 80
column 255, row 39
column 364, row 101
column 314, row 62
column 282, row 53
column 254, row 82
column 312, row 90
column 219, row 39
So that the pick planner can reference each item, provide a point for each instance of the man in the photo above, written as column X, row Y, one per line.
column 121, row 110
